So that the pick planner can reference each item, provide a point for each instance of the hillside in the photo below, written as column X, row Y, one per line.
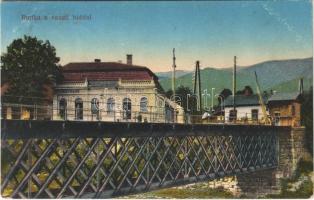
column 279, row 75
column 165, row 75
column 293, row 85
column 272, row 73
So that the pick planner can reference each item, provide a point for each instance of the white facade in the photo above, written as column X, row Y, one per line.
column 122, row 100
column 245, row 113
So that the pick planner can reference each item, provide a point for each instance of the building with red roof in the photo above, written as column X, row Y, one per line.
column 111, row 91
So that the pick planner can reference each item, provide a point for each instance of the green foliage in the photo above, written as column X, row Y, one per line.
column 307, row 118
column 246, row 90
column 225, row 93
column 27, row 65
column 182, row 98
column 305, row 191
column 305, row 167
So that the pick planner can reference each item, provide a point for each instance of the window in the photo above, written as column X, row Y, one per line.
column 16, row 112
column 277, row 118
column 293, row 110
column 4, row 112
column 127, row 108
column 78, row 109
column 62, row 108
column 95, row 107
column 232, row 115
column 143, row 104
column 110, row 105
column 254, row 114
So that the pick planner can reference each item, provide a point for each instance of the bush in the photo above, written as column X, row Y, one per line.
column 305, row 167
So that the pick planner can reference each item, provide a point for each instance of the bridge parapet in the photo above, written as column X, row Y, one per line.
column 54, row 159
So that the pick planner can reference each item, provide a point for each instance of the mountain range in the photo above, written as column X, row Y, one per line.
column 165, row 75
column 279, row 75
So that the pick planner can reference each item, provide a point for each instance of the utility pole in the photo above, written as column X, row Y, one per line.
column 234, row 81
column 301, row 86
column 197, row 85
column 234, row 115
column 212, row 107
column 174, row 81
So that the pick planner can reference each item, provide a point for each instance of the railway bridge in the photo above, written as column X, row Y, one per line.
column 80, row 159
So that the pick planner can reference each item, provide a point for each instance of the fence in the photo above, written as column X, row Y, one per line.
column 151, row 114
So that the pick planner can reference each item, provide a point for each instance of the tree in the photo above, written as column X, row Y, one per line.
column 224, row 94
column 183, row 93
column 247, row 90
column 28, row 65
column 307, row 118
column 240, row 92
column 169, row 93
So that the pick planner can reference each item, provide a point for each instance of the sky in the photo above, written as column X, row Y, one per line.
column 212, row 32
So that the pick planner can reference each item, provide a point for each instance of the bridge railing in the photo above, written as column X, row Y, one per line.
column 150, row 114
column 56, row 159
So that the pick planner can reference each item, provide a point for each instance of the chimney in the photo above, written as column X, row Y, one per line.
column 301, row 86
column 97, row 60
column 129, row 59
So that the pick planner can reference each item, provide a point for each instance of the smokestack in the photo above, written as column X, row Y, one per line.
column 129, row 59
column 234, row 82
column 301, row 86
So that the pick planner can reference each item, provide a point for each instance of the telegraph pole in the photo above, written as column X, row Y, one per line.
column 174, row 81
column 234, row 81
column 197, row 85
column 234, row 89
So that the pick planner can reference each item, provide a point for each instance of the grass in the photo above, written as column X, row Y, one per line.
column 195, row 191
column 198, row 193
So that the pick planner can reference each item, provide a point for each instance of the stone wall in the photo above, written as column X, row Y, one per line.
column 260, row 183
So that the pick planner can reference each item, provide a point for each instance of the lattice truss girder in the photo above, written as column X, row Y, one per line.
column 56, row 168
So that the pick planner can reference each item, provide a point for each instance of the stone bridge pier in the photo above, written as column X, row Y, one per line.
column 258, row 184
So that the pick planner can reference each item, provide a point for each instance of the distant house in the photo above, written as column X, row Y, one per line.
column 285, row 108
column 248, row 108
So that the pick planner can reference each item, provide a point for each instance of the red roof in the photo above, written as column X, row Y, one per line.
column 76, row 72
column 100, row 66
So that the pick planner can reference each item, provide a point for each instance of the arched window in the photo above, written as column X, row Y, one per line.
column 143, row 104
column 78, row 109
column 127, row 108
column 95, row 107
column 62, row 108
column 110, row 105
